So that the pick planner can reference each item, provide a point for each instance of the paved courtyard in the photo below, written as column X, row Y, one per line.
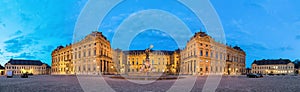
column 49, row 83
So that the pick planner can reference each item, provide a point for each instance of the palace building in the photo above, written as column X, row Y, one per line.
column 35, row 67
column 90, row 56
column 235, row 61
column 203, row 55
column 273, row 66
column 62, row 60
column 119, row 59
column 2, row 70
column 132, row 61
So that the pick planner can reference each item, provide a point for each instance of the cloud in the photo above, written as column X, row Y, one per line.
column 26, row 56
column 286, row 48
column 25, row 17
column 1, row 52
column 239, row 24
column 48, row 48
column 18, row 32
column 17, row 44
column 255, row 46
column 258, row 4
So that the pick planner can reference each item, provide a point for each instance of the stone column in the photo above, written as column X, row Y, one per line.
column 189, row 67
column 102, row 68
column 192, row 66
column 195, row 66
column 186, row 70
column 190, row 70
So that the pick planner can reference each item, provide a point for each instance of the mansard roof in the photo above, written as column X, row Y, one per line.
column 272, row 61
column 238, row 48
column 24, row 62
column 1, row 67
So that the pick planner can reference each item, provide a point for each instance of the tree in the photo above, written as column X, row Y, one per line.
column 297, row 63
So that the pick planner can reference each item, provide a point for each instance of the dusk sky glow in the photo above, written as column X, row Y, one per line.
column 264, row 29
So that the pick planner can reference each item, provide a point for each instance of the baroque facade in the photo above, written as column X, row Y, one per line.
column 235, row 61
column 2, row 70
column 132, row 61
column 203, row 55
column 62, row 60
column 273, row 66
column 90, row 56
column 35, row 67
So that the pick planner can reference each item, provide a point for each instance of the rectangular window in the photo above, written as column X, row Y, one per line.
column 83, row 54
column 201, row 53
column 89, row 52
column 79, row 54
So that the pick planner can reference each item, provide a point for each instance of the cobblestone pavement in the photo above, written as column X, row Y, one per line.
column 49, row 83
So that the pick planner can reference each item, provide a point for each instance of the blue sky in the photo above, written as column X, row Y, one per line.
column 31, row 29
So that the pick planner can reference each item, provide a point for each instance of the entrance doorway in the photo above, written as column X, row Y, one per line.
column 1, row 72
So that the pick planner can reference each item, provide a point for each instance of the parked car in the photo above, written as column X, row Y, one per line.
column 283, row 74
column 30, row 74
column 24, row 75
column 260, row 75
column 254, row 75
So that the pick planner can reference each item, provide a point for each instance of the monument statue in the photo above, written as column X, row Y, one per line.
column 147, row 67
column 147, row 51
